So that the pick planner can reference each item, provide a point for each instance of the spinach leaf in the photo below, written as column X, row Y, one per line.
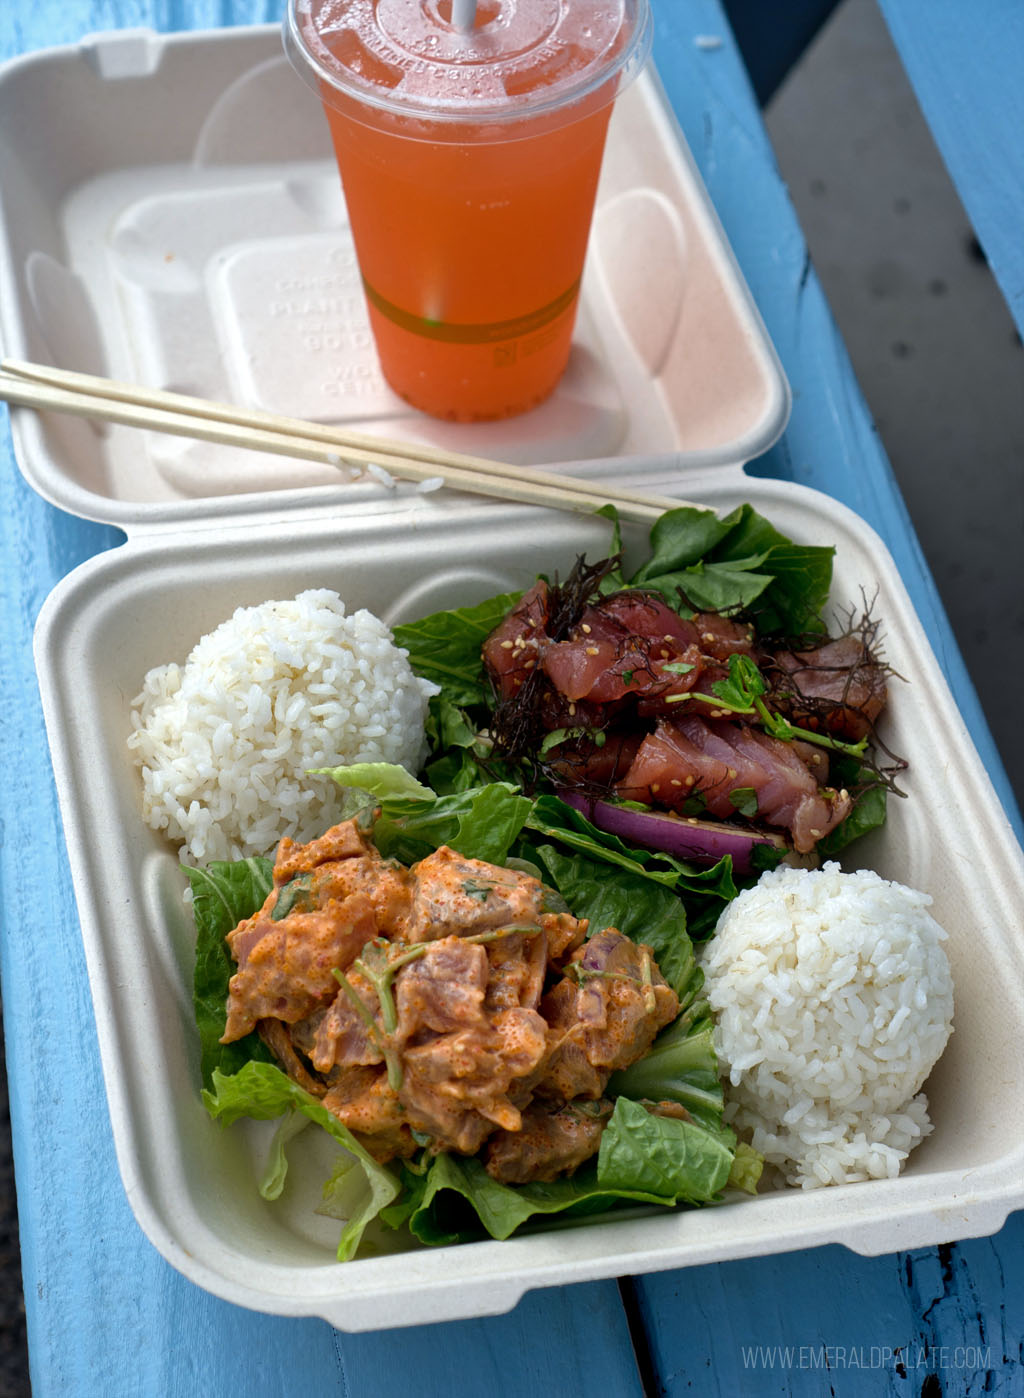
column 868, row 814
column 295, row 897
column 801, row 578
column 641, row 909
column 462, row 749
column 711, row 587
column 680, row 538
column 741, row 561
column 445, row 647
column 481, row 823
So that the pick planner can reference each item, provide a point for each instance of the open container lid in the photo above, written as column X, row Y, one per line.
column 171, row 215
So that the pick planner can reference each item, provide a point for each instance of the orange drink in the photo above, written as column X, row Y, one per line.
column 470, row 162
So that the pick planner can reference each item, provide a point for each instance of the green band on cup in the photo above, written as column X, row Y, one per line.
column 486, row 333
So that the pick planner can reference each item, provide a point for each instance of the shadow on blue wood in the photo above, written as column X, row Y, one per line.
column 932, row 1321
column 771, row 38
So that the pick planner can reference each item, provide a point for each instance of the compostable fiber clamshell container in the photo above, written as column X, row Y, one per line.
column 181, row 225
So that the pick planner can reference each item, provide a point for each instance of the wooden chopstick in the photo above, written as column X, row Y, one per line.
column 86, row 395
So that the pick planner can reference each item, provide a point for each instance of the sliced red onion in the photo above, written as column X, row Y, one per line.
column 701, row 841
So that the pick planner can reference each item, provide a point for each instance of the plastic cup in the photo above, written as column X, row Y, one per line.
column 469, row 162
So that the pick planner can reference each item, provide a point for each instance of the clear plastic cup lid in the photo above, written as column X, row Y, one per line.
column 521, row 57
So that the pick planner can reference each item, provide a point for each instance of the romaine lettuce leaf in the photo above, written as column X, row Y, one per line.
column 563, row 822
column 275, row 1170
column 747, row 1168
column 643, row 1159
column 702, row 891
column 457, row 1201
column 380, row 779
column 680, row 1066
column 679, row 1161
column 223, row 894
column 361, row 1186
column 641, row 909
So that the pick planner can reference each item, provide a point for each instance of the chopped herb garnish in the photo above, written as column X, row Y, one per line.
column 295, row 897
column 741, row 694
column 744, row 800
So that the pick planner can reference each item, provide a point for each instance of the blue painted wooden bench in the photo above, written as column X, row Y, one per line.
column 106, row 1315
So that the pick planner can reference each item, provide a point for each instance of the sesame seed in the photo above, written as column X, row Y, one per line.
column 586, row 627
column 655, row 786
column 733, row 773
column 506, row 645
column 592, row 650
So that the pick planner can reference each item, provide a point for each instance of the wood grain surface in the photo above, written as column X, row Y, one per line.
column 966, row 64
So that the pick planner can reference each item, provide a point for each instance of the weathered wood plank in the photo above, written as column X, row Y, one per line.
column 966, row 65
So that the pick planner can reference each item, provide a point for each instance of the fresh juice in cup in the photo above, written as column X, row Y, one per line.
column 469, row 159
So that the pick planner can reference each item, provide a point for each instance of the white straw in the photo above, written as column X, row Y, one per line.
column 463, row 14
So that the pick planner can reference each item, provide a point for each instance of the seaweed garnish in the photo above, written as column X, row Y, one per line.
column 518, row 724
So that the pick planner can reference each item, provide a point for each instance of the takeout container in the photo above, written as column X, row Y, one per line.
column 90, row 229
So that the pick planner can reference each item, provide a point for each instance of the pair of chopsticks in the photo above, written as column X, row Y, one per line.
column 86, row 395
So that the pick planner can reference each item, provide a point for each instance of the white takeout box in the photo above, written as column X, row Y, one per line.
column 140, row 236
